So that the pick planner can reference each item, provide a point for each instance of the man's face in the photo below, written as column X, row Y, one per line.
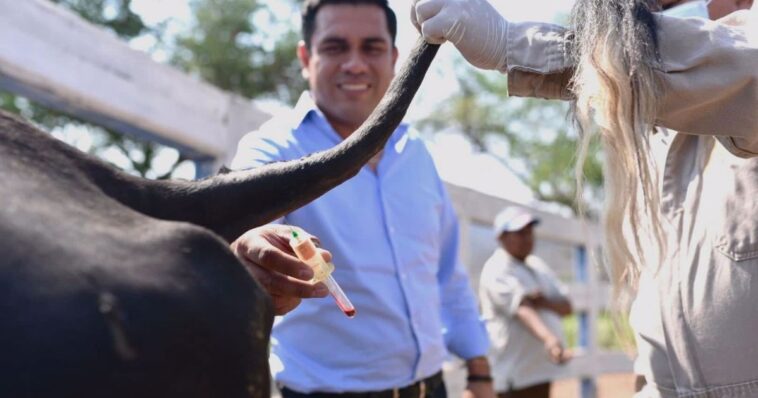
column 716, row 8
column 350, row 64
column 519, row 243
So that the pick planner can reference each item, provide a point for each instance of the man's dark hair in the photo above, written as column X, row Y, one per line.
column 311, row 7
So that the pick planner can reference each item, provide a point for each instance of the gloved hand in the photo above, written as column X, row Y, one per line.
column 476, row 29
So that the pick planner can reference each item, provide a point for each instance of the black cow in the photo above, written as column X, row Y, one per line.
column 116, row 286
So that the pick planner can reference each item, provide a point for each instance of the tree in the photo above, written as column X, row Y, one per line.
column 229, row 47
column 115, row 15
column 533, row 137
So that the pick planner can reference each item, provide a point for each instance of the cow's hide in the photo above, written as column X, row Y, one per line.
column 99, row 300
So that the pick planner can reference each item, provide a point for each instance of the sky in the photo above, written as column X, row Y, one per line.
column 455, row 158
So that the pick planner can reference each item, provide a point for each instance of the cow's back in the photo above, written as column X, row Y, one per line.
column 99, row 300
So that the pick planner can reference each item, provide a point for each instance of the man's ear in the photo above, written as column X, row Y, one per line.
column 304, row 55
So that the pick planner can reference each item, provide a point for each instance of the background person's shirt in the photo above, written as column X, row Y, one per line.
column 517, row 357
column 394, row 240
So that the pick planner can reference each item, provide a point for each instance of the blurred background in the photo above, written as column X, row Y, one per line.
column 247, row 47
column 501, row 150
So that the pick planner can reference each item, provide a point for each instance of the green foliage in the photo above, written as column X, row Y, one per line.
column 228, row 47
column 113, row 14
column 533, row 137
column 551, row 167
column 612, row 334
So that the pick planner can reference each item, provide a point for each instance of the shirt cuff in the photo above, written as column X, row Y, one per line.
column 538, row 47
column 518, row 297
column 555, row 86
column 733, row 146
column 470, row 339
column 538, row 64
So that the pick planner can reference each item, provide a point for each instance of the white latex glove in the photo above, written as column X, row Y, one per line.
column 476, row 29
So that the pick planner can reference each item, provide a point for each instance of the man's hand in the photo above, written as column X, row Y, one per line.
column 476, row 29
column 479, row 384
column 555, row 351
column 269, row 258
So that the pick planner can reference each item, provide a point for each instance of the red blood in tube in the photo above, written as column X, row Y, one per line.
column 350, row 313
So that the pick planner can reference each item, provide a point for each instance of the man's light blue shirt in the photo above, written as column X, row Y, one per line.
column 394, row 240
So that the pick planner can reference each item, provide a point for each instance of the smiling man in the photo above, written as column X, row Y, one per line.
column 348, row 57
column 391, row 230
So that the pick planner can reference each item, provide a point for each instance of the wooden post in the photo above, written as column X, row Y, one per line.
column 586, row 323
column 464, row 239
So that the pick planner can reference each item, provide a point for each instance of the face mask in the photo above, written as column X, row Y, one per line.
column 697, row 8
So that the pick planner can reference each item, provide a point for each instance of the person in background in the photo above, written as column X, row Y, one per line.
column 522, row 303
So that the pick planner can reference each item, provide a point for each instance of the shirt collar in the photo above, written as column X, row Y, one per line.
column 306, row 112
column 303, row 108
column 510, row 260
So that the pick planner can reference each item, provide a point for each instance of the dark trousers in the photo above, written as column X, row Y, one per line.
column 431, row 387
column 535, row 391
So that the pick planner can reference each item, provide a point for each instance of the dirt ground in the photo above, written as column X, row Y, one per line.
column 608, row 386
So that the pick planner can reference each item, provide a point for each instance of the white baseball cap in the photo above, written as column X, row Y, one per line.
column 512, row 219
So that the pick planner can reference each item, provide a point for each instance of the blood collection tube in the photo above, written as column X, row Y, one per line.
column 322, row 271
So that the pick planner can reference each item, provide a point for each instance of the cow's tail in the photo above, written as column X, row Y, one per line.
column 615, row 48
